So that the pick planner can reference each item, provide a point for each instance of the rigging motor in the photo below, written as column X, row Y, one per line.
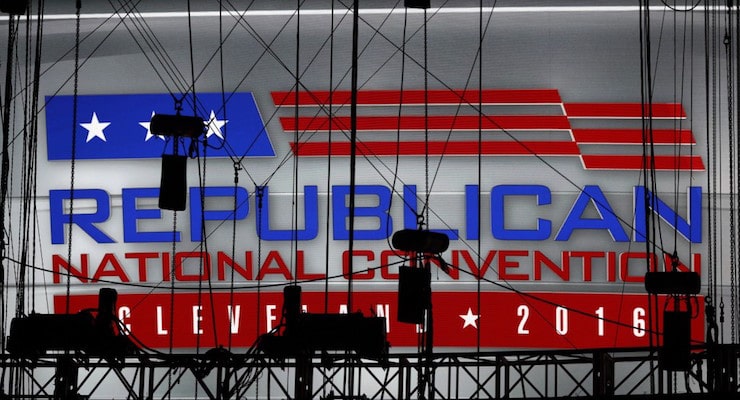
column 675, row 352
column 173, row 182
column 14, row 7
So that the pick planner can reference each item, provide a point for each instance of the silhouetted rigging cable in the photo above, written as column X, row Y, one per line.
column 479, row 246
column 646, row 102
column 5, row 169
column 30, row 162
column 396, row 163
column 736, row 204
column 506, row 132
column 730, row 93
column 61, row 58
column 330, row 140
column 78, row 6
column 627, row 222
column 268, row 285
column 296, row 114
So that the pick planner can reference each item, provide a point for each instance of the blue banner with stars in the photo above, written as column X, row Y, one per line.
column 117, row 126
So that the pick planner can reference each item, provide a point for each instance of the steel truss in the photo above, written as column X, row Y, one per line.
column 602, row 373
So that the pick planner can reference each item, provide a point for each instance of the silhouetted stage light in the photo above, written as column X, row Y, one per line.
column 35, row 335
column 173, row 185
column 306, row 333
column 417, row 3
column 14, row 7
column 176, row 125
column 420, row 241
column 673, row 282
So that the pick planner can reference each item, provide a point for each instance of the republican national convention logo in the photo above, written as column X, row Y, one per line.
column 518, row 122
column 117, row 126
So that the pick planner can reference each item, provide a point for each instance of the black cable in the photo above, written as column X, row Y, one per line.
column 6, row 106
column 327, row 226
column 730, row 65
column 74, row 142
column 296, row 114
column 353, row 149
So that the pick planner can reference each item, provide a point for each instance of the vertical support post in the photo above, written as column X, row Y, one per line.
column 65, row 379
column 303, row 377
column 723, row 370
column 603, row 375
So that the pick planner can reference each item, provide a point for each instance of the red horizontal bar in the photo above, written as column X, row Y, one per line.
column 498, row 321
column 437, row 123
column 623, row 110
column 629, row 162
column 457, row 148
column 416, row 97
column 632, row 136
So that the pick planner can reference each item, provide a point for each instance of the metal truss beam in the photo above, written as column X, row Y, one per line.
column 596, row 374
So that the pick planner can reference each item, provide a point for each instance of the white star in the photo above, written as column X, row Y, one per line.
column 95, row 128
column 147, row 125
column 470, row 319
column 214, row 126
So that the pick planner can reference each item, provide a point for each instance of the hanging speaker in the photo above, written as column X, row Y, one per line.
column 414, row 292
column 676, row 350
column 173, row 184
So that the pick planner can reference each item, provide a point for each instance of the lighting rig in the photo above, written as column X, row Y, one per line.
column 675, row 351
column 300, row 335
column 88, row 333
column 415, row 289
column 173, row 183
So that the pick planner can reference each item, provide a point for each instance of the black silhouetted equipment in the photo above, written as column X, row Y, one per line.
column 417, row 3
column 14, row 7
column 414, row 283
column 176, row 125
column 675, row 351
column 415, row 288
column 173, row 183
column 92, row 333
column 672, row 282
column 306, row 333
column 414, row 294
column 420, row 241
column 303, row 334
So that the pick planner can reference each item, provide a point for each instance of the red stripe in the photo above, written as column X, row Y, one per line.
column 410, row 97
column 632, row 136
column 437, row 122
column 499, row 326
column 622, row 110
column 625, row 162
column 439, row 148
